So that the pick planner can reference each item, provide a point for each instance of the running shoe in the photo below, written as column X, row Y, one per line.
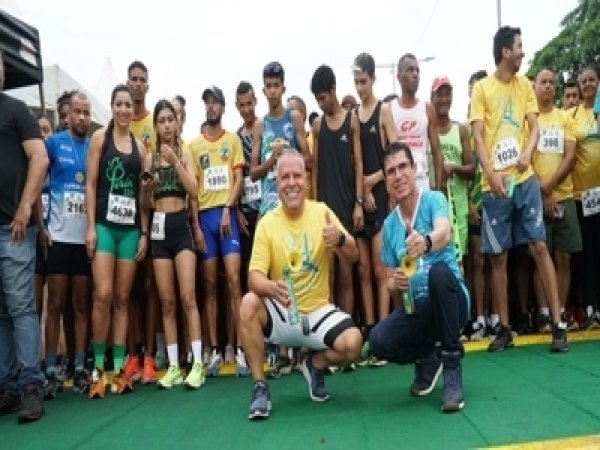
column 171, row 378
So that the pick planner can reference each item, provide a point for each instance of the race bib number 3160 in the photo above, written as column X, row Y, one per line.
column 506, row 153
column 121, row 209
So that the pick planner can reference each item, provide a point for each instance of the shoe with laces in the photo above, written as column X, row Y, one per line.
column 98, row 385
column 171, row 378
column 241, row 366
column 427, row 372
column 502, row 341
column 81, row 383
column 260, row 403
column 149, row 373
column 316, row 381
column 32, row 404
column 196, row 377
column 559, row 338
column 121, row 384
column 9, row 402
column 479, row 331
column 133, row 370
column 215, row 363
column 453, row 394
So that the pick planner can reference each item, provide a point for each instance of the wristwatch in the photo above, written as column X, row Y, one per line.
column 359, row 200
column 428, row 243
column 341, row 240
column 144, row 233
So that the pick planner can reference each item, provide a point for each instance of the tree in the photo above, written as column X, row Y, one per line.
column 576, row 46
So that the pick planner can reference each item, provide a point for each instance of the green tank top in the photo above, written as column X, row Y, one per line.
column 452, row 152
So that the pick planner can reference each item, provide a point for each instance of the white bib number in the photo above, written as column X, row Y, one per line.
column 45, row 206
column 216, row 179
column 158, row 227
column 552, row 141
column 74, row 205
column 121, row 209
column 251, row 192
column 506, row 153
column 590, row 201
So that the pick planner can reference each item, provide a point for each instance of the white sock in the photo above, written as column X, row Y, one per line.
column 545, row 311
column 160, row 344
column 481, row 320
column 173, row 354
column 494, row 319
column 197, row 351
column 562, row 310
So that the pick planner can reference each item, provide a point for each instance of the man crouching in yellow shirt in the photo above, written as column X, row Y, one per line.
column 289, row 300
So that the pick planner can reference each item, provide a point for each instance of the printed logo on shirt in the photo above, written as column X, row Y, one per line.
column 224, row 151
column 373, row 130
column 344, row 138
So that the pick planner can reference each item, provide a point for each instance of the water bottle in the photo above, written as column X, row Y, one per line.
column 293, row 315
column 419, row 282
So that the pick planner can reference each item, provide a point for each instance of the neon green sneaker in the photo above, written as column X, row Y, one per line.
column 196, row 378
column 170, row 378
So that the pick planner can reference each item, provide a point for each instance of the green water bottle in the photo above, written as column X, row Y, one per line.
column 293, row 314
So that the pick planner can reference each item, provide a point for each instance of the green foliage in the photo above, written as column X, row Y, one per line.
column 575, row 47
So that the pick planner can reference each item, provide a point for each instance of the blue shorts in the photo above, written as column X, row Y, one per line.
column 210, row 224
column 508, row 222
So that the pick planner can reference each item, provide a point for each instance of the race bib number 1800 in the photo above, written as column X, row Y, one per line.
column 590, row 201
column 506, row 153
column 216, row 179
column 121, row 209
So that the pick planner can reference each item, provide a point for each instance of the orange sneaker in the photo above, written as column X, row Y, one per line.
column 132, row 369
column 98, row 385
column 149, row 374
column 121, row 384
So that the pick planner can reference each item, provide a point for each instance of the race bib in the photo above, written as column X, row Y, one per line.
column 271, row 174
column 45, row 206
column 251, row 192
column 121, row 209
column 74, row 205
column 590, row 201
column 552, row 141
column 506, row 153
column 158, row 227
column 216, row 179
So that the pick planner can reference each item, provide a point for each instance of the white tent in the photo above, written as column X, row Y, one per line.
column 56, row 81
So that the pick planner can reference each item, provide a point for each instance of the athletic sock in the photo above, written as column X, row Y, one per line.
column 173, row 355
column 98, row 354
column 79, row 360
column 161, row 345
column 545, row 311
column 51, row 362
column 197, row 351
column 119, row 357
column 481, row 319
column 494, row 319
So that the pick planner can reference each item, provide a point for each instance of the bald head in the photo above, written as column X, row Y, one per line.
column 289, row 156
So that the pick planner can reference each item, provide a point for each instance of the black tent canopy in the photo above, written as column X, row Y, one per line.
column 20, row 45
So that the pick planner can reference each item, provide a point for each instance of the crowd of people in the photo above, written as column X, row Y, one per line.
column 155, row 254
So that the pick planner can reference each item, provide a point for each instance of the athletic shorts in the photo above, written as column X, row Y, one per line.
column 177, row 236
column 120, row 242
column 210, row 224
column 563, row 234
column 40, row 262
column 68, row 259
column 512, row 221
column 325, row 325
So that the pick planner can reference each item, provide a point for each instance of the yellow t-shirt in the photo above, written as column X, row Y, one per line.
column 215, row 163
column 503, row 107
column 586, row 173
column 280, row 243
column 143, row 129
column 556, row 128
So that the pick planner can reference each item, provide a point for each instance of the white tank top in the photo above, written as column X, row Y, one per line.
column 411, row 125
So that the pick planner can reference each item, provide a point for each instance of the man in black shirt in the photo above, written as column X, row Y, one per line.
column 23, row 168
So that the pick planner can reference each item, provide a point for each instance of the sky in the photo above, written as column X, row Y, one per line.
column 188, row 46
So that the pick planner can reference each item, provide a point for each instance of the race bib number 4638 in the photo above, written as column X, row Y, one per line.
column 121, row 209
column 506, row 153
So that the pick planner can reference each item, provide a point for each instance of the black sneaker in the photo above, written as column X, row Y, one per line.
column 9, row 402
column 559, row 339
column 52, row 386
column 81, row 383
column 453, row 394
column 32, row 404
column 544, row 323
column 316, row 381
column 524, row 324
column 260, row 403
column 502, row 341
column 427, row 372
column 282, row 366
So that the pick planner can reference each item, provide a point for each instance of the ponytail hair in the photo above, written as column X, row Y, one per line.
column 111, row 123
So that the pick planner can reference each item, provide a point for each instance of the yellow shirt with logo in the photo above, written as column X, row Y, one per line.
column 586, row 173
column 296, row 247
column 215, row 162
column 503, row 108
column 556, row 128
column 143, row 129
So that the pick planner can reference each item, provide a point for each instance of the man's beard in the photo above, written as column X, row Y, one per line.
column 212, row 121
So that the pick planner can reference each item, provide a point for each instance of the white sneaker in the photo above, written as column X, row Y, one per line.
column 214, row 365
column 241, row 367
column 479, row 331
column 206, row 356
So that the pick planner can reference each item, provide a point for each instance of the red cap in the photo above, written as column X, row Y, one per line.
column 438, row 82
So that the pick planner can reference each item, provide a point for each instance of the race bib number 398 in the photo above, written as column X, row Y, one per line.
column 121, row 209
column 506, row 153
column 552, row 141
column 590, row 201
